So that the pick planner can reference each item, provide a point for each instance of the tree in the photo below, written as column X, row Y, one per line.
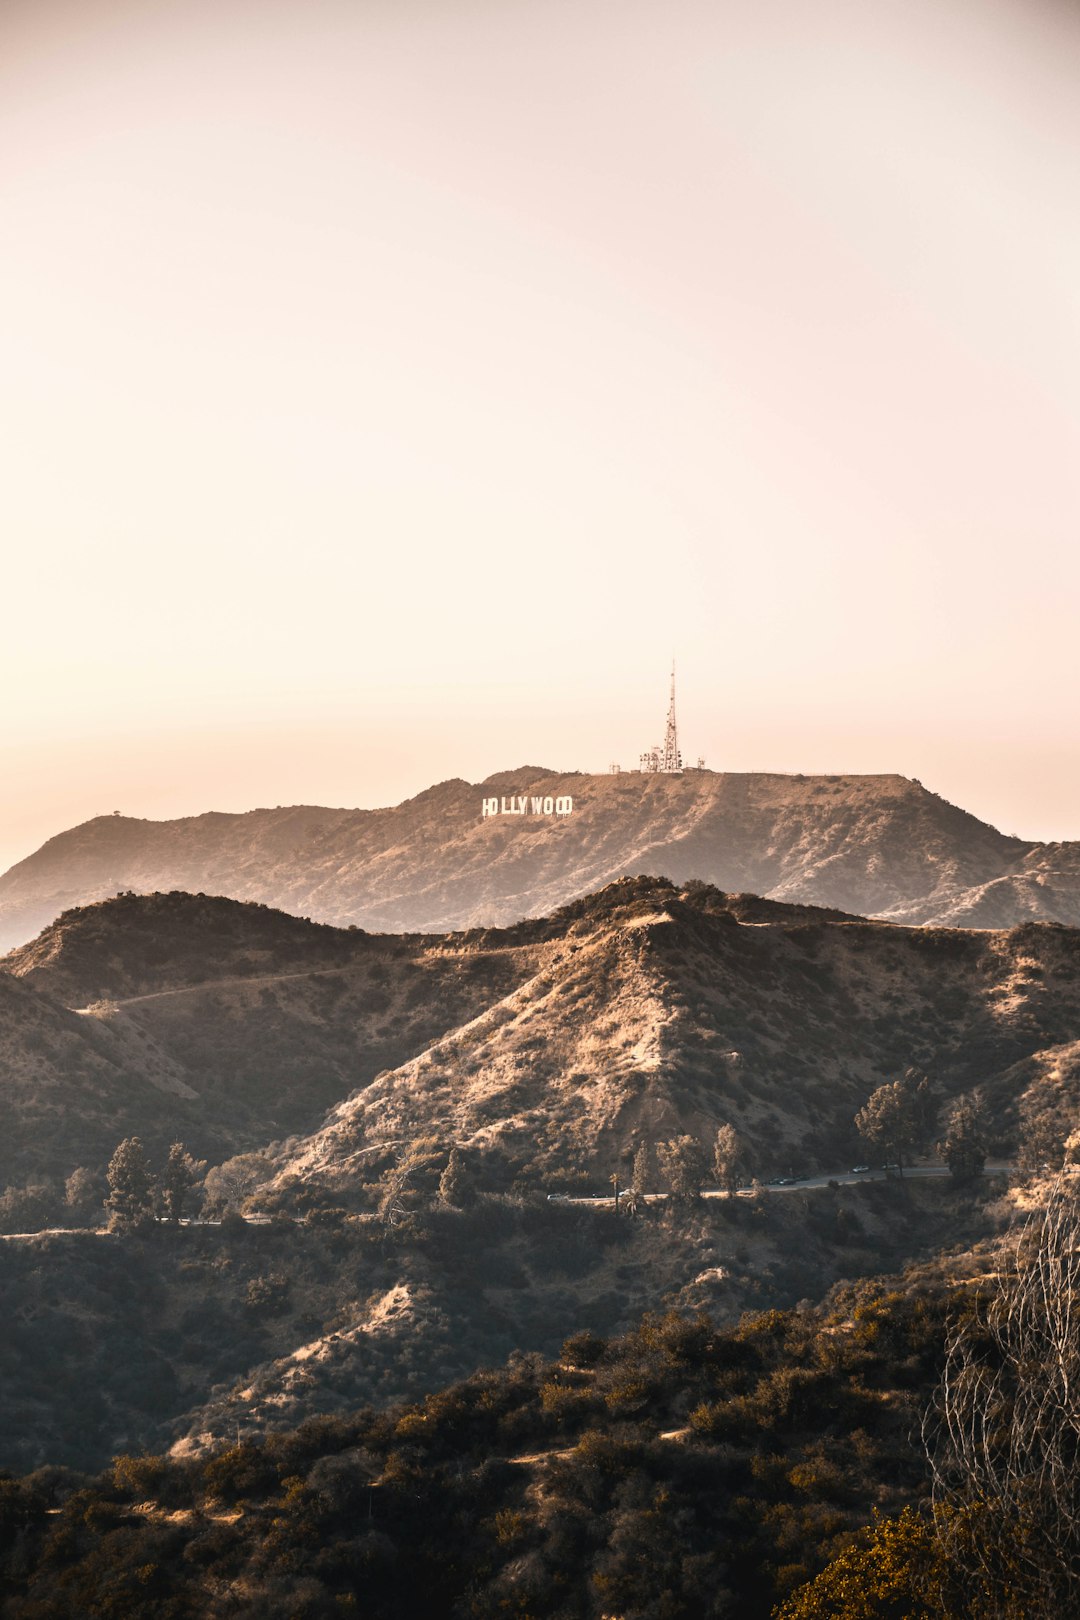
column 642, row 1175
column 896, row 1118
column 179, row 1180
column 963, row 1146
column 682, row 1160
column 456, row 1184
column 131, row 1190
column 83, row 1194
column 30, row 1208
column 1044, row 1129
column 891, row 1571
column 1003, row 1436
column 729, row 1154
column 231, row 1184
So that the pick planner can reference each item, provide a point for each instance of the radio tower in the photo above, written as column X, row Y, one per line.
column 666, row 759
column 672, row 759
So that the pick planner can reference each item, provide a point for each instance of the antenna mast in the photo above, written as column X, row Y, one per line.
column 672, row 760
column 667, row 759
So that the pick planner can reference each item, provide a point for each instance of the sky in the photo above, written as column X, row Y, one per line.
column 390, row 389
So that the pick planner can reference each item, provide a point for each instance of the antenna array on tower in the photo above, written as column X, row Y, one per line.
column 666, row 759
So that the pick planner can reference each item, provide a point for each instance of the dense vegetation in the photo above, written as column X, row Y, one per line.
column 136, row 1338
column 736, row 1450
column 682, row 1470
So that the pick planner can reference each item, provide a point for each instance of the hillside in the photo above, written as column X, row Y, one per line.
column 683, row 1469
column 548, row 1051
column 65, row 1082
column 661, row 1011
column 180, row 1339
column 877, row 845
column 223, row 1023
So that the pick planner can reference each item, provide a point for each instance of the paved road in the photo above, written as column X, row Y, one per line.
column 848, row 1177
column 808, row 1183
column 802, row 1184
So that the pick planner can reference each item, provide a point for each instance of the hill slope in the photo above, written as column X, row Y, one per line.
column 549, row 1049
column 656, row 1012
column 876, row 845
column 66, row 1082
column 224, row 1023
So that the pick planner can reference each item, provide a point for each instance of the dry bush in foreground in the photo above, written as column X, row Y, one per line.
column 1004, row 1434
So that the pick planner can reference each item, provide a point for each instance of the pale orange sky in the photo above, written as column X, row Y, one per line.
column 389, row 389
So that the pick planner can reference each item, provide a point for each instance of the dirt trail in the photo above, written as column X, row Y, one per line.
column 239, row 980
column 211, row 984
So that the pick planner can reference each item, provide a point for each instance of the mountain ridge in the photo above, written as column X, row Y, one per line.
column 880, row 846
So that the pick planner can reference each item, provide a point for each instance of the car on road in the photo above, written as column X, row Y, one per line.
column 860, row 1169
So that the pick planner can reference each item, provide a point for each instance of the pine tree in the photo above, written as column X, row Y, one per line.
column 131, row 1192
column 456, row 1183
column 683, row 1163
column 729, row 1153
column 179, row 1179
column 642, row 1176
column 897, row 1116
column 964, row 1145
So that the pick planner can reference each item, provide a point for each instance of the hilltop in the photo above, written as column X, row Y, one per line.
column 548, row 1050
column 880, row 846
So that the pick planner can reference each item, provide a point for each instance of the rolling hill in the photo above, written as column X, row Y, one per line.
column 657, row 1011
column 880, row 846
column 547, row 1050
column 223, row 1023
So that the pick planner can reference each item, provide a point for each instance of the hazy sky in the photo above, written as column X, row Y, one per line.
column 387, row 390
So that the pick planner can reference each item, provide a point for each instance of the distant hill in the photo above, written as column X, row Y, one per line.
column 880, row 846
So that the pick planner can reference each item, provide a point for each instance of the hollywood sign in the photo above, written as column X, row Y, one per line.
column 520, row 805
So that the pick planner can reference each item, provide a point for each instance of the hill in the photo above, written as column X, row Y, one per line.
column 658, row 1011
column 66, row 1080
column 169, row 1339
column 880, row 846
column 548, row 1051
column 684, row 1469
column 223, row 1023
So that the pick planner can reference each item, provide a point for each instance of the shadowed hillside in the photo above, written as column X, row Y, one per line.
column 226, row 1024
column 875, row 845
column 66, row 1081
column 185, row 1338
